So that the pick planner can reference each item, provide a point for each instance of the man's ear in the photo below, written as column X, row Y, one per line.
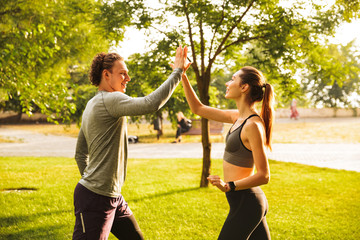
column 105, row 74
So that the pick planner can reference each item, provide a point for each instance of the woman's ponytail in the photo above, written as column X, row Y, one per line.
column 260, row 91
column 267, row 112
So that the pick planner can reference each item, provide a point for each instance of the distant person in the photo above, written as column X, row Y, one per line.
column 157, row 127
column 183, row 126
column 245, row 147
column 101, row 150
column 294, row 111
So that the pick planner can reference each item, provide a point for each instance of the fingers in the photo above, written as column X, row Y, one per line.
column 187, row 66
column 187, row 63
column 178, row 53
column 181, row 58
column 214, row 180
column 213, row 177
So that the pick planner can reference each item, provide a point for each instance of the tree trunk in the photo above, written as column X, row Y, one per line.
column 206, row 152
column 205, row 130
column 18, row 117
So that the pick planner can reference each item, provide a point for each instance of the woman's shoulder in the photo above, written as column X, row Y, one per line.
column 254, row 125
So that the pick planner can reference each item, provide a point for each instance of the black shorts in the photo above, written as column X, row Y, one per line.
column 97, row 215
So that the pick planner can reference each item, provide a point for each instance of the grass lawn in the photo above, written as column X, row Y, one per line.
column 337, row 130
column 305, row 202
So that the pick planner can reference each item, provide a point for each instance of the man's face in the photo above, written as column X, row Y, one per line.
column 118, row 77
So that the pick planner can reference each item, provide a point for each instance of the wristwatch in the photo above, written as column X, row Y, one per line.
column 232, row 186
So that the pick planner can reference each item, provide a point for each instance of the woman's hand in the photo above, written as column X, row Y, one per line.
column 219, row 183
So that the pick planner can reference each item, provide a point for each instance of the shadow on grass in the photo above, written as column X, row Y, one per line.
column 157, row 195
column 18, row 189
column 18, row 219
column 48, row 232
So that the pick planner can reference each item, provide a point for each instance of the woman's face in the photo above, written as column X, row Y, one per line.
column 233, row 89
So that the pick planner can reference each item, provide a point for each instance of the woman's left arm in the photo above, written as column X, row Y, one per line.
column 254, row 131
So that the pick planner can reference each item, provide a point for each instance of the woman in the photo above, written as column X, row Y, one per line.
column 245, row 147
column 294, row 111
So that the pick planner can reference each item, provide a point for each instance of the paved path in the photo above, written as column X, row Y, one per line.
column 337, row 156
column 36, row 144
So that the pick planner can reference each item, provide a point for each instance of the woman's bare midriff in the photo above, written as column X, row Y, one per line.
column 233, row 172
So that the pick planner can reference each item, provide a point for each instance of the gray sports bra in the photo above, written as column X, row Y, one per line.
column 235, row 151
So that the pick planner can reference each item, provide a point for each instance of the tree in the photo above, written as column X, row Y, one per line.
column 332, row 75
column 41, row 42
column 147, row 72
column 275, row 35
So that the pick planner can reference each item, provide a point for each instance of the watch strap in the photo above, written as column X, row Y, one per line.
column 232, row 186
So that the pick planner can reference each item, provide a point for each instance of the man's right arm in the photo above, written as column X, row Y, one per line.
column 123, row 105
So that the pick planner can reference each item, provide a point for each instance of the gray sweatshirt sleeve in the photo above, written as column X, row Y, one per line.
column 122, row 105
column 81, row 154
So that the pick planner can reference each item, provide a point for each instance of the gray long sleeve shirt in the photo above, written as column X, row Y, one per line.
column 101, row 149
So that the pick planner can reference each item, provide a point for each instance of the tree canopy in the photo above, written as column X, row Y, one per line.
column 42, row 41
column 276, row 37
column 332, row 75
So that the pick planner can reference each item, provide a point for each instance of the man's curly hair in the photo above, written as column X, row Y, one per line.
column 100, row 62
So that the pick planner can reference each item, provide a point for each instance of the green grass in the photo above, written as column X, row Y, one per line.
column 305, row 202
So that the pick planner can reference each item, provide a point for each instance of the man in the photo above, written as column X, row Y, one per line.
column 101, row 150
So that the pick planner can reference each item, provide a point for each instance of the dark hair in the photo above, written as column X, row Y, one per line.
column 260, row 90
column 100, row 62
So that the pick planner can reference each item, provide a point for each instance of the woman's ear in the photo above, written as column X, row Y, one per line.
column 244, row 87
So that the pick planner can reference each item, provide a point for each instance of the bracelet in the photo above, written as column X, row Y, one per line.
column 232, row 186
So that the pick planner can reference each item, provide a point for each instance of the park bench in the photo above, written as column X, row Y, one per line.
column 216, row 128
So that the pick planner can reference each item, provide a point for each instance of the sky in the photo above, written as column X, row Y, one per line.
column 347, row 32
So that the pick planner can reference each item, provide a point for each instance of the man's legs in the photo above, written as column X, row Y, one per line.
column 97, row 215
column 125, row 225
column 94, row 214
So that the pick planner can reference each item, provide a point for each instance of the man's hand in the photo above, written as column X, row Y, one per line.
column 180, row 58
column 216, row 181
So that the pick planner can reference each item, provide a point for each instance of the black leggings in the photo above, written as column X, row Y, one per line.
column 246, row 219
column 126, row 228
